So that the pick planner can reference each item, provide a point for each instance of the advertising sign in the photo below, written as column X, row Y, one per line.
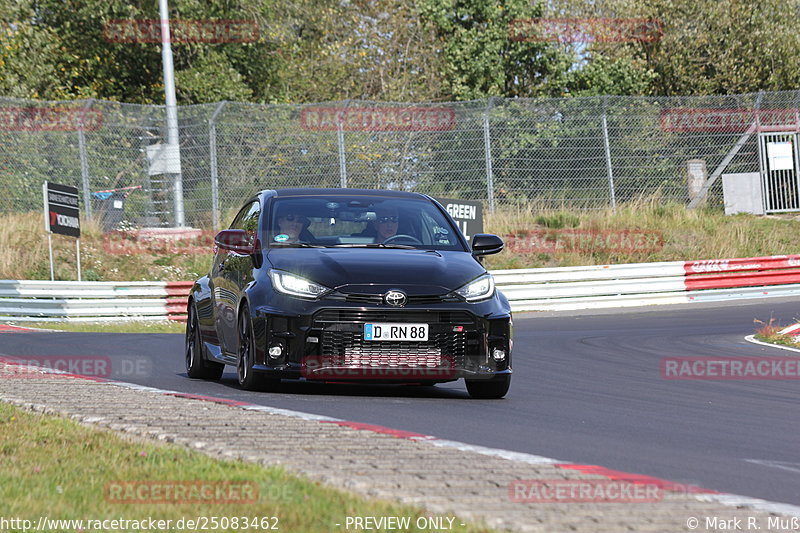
column 61, row 212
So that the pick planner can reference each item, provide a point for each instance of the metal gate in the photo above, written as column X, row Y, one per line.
column 778, row 158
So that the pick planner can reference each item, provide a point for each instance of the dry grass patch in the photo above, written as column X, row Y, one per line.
column 686, row 234
column 24, row 255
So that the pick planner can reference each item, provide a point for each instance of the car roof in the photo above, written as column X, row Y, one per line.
column 281, row 193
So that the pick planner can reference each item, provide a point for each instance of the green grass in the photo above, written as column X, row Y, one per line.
column 769, row 332
column 165, row 326
column 54, row 467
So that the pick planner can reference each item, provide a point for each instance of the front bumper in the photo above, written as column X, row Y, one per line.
column 327, row 344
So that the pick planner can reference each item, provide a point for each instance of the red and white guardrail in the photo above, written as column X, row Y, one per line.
column 535, row 289
column 599, row 286
column 42, row 301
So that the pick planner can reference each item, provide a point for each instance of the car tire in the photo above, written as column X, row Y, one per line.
column 489, row 389
column 248, row 378
column 196, row 364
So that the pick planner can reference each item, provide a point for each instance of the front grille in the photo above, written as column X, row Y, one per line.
column 348, row 348
column 377, row 299
column 342, row 338
column 329, row 316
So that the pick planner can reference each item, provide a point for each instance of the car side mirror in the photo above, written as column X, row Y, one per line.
column 486, row 244
column 238, row 241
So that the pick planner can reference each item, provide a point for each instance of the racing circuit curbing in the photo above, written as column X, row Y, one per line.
column 445, row 477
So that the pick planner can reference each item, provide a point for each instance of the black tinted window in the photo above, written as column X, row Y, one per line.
column 247, row 219
column 360, row 220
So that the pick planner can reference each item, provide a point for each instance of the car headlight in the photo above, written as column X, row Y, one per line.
column 295, row 285
column 478, row 289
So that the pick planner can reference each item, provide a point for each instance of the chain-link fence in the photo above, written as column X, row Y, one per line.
column 566, row 153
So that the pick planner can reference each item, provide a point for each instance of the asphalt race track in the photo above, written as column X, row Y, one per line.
column 587, row 388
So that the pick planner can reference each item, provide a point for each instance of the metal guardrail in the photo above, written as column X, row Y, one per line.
column 43, row 301
column 536, row 289
column 588, row 287
column 603, row 286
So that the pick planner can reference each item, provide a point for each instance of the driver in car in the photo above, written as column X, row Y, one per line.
column 385, row 224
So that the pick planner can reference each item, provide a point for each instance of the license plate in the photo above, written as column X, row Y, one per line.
column 387, row 331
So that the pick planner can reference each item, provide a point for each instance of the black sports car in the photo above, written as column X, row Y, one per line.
column 346, row 285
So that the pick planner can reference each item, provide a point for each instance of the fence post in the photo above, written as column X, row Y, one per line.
column 487, row 146
column 754, row 128
column 87, row 197
column 212, row 148
column 609, row 167
column 340, row 145
column 342, row 160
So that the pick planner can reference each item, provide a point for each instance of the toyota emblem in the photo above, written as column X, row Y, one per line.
column 395, row 298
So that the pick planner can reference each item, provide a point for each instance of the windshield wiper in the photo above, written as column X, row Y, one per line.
column 374, row 245
column 296, row 245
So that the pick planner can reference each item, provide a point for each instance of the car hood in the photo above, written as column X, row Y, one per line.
column 417, row 271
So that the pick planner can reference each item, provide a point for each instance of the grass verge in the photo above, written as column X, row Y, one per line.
column 53, row 467
column 683, row 234
column 770, row 332
column 155, row 326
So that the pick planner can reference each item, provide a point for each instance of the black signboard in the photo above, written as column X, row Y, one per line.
column 61, row 213
column 468, row 214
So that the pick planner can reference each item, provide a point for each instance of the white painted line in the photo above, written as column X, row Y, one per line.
column 495, row 452
column 288, row 412
column 28, row 328
column 782, row 465
column 752, row 338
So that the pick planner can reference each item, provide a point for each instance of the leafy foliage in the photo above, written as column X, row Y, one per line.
column 482, row 59
column 396, row 50
column 305, row 51
column 706, row 47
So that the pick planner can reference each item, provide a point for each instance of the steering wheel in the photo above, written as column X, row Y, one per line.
column 409, row 238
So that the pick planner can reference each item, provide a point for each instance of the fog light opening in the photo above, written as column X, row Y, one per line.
column 498, row 354
column 275, row 351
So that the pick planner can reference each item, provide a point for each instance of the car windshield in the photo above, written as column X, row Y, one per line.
column 359, row 222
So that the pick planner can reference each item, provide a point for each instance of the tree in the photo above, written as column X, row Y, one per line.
column 304, row 51
column 481, row 58
column 601, row 75
column 706, row 46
